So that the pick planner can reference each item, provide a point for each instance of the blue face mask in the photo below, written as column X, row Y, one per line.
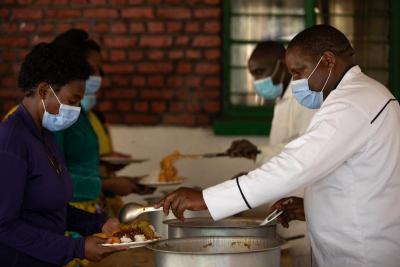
column 267, row 89
column 93, row 84
column 67, row 115
column 88, row 102
column 305, row 96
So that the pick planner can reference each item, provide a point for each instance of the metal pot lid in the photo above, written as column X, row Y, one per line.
column 216, row 245
column 234, row 222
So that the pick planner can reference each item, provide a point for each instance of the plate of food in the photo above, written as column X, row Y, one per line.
column 168, row 173
column 137, row 234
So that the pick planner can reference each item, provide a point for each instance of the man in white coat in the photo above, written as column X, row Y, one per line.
column 272, row 82
column 348, row 160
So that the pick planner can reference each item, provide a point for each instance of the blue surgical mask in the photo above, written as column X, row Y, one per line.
column 267, row 89
column 305, row 96
column 93, row 84
column 88, row 102
column 67, row 115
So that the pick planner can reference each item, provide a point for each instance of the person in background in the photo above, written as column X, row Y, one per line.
column 348, row 160
column 272, row 82
column 36, row 186
column 82, row 145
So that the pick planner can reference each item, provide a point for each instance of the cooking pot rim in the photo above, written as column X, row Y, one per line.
column 189, row 223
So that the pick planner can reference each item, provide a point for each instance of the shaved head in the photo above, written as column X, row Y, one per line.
column 316, row 40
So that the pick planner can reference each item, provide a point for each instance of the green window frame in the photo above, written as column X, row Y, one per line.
column 256, row 120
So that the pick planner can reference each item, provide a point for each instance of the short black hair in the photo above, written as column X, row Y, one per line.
column 54, row 64
column 269, row 47
column 314, row 41
column 78, row 38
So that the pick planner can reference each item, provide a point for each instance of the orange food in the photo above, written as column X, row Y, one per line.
column 168, row 172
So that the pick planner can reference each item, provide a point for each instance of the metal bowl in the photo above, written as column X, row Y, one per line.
column 228, row 227
column 218, row 252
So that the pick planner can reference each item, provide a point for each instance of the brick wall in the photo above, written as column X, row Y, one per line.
column 162, row 58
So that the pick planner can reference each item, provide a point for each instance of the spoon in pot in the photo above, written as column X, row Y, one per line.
column 132, row 210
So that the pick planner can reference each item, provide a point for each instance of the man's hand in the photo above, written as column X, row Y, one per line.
column 182, row 199
column 244, row 149
column 293, row 209
column 110, row 226
column 95, row 252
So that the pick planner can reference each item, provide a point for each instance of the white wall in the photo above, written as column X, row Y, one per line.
column 155, row 143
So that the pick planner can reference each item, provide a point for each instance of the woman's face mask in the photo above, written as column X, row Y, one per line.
column 304, row 95
column 266, row 88
column 88, row 102
column 93, row 84
column 67, row 115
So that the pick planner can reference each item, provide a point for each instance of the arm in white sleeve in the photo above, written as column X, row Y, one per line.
column 328, row 143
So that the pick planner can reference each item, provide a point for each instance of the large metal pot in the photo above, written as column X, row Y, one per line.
column 234, row 226
column 218, row 252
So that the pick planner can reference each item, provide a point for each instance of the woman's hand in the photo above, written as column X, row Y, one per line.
column 182, row 199
column 293, row 209
column 110, row 226
column 244, row 149
column 123, row 185
column 95, row 252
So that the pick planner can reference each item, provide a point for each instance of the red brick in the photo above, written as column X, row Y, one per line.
column 183, row 95
column 27, row 13
column 207, row 68
column 16, row 68
column 212, row 106
column 113, row 118
column 100, row 13
column 8, row 55
column 212, row 2
column 43, row 2
column 192, row 27
column 101, row 27
column 155, row 27
column 213, row 54
column 143, row 119
column 173, row 26
column 124, row 105
column 136, row 27
column 207, row 13
column 174, row 13
column 4, row 12
column 206, row 41
column 212, row 27
column 118, row 68
column 3, row 67
column 105, row 106
column 120, row 41
column 193, row 107
column 193, row 81
column 212, row 82
column 98, row 2
column 175, row 54
column 208, row 94
column 8, row 82
column 126, row 93
column 135, row 2
column 118, row 27
column 46, row 27
column 162, row 67
column 184, row 67
column 182, row 40
column 119, row 2
column 155, row 81
column 202, row 120
column 120, row 80
column 155, row 54
column 138, row 13
column 82, row 25
column 10, row 93
column 78, row 2
column 151, row 94
column 9, row 27
column 62, row 27
column 177, row 107
column 138, row 81
column 153, row 1
column 193, row 54
column 141, row 106
column 175, row 81
column 24, row 2
column 13, row 41
column 60, row 2
column 117, row 55
column 158, row 107
column 180, row 119
column 135, row 55
column 168, row 94
column 173, row 2
column 27, row 27
column 63, row 13
column 156, row 41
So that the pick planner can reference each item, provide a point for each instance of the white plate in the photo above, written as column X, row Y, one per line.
column 137, row 244
column 121, row 160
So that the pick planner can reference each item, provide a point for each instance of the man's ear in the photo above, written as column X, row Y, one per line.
column 43, row 90
column 330, row 59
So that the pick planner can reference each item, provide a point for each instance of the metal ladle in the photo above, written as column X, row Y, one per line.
column 132, row 210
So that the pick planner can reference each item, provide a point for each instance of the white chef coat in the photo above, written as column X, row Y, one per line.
column 351, row 170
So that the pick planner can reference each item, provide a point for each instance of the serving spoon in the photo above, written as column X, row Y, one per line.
column 132, row 210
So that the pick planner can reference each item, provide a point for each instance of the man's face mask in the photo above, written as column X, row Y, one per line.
column 67, row 115
column 88, row 102
column 266, row 87
column 305, row 96
column 93, row 84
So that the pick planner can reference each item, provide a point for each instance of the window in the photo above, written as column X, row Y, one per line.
column 370, row 25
